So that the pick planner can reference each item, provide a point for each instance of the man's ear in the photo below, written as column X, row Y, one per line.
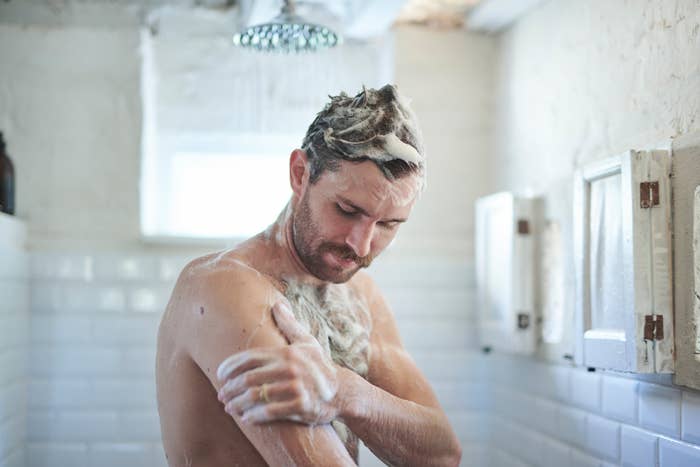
column 298, row 171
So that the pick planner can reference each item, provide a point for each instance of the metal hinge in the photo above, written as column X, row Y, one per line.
column 648, row 194
column 523, row 320
column 523, row 227
column 653, row 327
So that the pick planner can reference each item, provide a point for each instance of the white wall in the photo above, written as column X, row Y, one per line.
column 580, row 81
column 94, row 319
column 71, row 117
column 14, row 322
column 449, row 75
column 551, row 416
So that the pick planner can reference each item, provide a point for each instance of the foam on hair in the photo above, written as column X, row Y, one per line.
column 376, row 124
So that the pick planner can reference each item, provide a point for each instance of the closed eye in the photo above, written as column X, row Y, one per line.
column 388, row 225
column 345, row 212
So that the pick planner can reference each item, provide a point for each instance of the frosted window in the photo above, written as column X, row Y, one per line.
column 552, row 284
column 499, row 226
column 220, row 195
column 606, row 254
column 219, row 125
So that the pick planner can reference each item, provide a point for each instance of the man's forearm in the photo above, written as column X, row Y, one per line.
column 398, row 431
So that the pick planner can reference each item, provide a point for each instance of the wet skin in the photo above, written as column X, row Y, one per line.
column 227, row 308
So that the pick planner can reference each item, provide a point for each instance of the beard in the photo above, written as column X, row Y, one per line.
column 305, row 233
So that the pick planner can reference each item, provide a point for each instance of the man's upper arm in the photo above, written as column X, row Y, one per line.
column 391, row 367
column 235, row 315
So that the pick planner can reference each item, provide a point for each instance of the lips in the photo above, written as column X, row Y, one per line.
column 340, row 261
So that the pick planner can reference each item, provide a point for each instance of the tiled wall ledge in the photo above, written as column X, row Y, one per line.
column 14, row 319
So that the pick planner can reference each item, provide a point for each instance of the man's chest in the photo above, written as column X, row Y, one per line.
column 338, row 318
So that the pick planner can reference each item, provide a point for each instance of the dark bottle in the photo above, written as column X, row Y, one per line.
column 7, row 181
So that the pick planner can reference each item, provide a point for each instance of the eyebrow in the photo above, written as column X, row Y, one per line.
column 364, row 212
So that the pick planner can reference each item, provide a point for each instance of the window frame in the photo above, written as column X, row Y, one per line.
column 686, row 244
column 556, row 206
column 157, row 163
column 518, row 277
column 647, row 286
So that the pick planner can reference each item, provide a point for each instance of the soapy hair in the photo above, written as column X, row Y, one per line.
column 376, row 125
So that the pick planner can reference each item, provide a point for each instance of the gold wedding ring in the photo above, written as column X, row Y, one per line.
column 262, row 394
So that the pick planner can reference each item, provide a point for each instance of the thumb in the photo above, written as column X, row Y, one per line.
column 287, row 323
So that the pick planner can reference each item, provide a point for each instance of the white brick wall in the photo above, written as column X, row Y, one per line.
column 91, row 393
column 602, row 419
column 14, row 314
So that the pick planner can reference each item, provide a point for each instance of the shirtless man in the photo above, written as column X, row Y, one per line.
column 280, row 351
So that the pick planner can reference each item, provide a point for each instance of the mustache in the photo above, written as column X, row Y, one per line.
column 346, row 253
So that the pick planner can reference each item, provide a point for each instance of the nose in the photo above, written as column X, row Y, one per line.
column 360, row 238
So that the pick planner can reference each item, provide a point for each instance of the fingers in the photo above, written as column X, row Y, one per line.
column 241, row 362
column 287, row 323
column 288, row 410
column 253, row 378
column 277, row 393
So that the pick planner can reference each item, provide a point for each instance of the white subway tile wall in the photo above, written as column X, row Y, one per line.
column 602, row 419
column 660, row 409
column 639, row 447
column 14, row 328
column 91, row 391
column 91, row 395
column 690, row 418
column 93, row 330
column 672, row 452
column 618, row 404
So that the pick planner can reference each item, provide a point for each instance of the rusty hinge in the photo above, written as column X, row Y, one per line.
column 653, row 327
column 523, row 320
column 648, row 194
column 523, row 227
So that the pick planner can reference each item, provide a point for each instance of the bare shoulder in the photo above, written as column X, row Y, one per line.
column 224, row 282
column 217, row 307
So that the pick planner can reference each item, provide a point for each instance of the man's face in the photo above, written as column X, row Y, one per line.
column 345, row 219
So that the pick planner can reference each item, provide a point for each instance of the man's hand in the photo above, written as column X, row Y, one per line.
column 298, row 382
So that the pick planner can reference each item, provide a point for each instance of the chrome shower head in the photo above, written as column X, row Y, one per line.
column 287, row 32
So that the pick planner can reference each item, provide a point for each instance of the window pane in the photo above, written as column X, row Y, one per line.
column 224, row 195
column 606, row 254
column 498, row 256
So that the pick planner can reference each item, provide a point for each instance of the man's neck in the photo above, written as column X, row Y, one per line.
column 293, row 267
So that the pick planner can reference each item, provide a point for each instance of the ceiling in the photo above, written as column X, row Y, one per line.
column 356, row 19
column 436, row 13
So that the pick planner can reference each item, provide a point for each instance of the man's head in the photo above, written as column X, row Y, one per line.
column 355, row 181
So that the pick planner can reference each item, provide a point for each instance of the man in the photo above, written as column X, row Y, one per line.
column 280, row 352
